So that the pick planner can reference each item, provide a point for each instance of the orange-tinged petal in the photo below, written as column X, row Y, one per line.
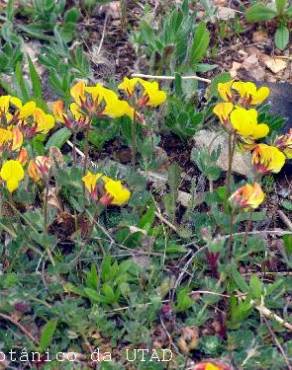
column 266, row 159
column 23, row 156
column 17, row 138
column 33, row 171
column 58, row 110
column 78, row 92
column 249, row 196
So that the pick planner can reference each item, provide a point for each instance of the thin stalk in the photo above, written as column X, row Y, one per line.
column 231, row 150
column 46, row 221
column 231, row 237
column 134, row 141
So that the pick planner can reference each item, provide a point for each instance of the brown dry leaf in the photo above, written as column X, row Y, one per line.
column 252, row 66
column 189, row 339
column 235, row 67
column 275, row 65
column 53, row 199
column 260, row 37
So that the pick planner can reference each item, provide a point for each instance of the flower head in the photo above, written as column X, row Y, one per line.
column 249, row 196
column 90, row 181
column 224, row 90
column 211, row 365
column 105, row 189
column 245, row 123
column 151, row 95
column 116, row 193
column 266, row 159
column 222, row 111
column 250, row 94
column 12, row 173
column 284, row 143
column 39, row 168
column 44, row 122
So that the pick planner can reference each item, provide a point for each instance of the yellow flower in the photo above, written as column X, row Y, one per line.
column 116, row 193
column 90, row 181
column 27, row 110
column 245, row 123
column 45, row 122
column 152, row 96
column 266, row 158
column 78, row 92
column 5, row 136
column 4, row 104
column 224, row 90
column 210, row 366
column 249, row 196
column 222, row 111
column 12, row 173
column 284, row 143
column 128, row 85
column 249, row 92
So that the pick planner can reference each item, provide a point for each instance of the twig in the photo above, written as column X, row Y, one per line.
column 278, row 344
column 141, row 75
column 271, row 315
column 21, row 327
column 257, row 232
column 285, row 219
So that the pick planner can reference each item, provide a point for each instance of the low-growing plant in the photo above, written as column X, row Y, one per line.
column 280, row 13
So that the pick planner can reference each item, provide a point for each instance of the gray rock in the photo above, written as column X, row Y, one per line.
column 212, row 140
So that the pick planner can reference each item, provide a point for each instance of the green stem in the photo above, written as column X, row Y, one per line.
column 46, row 219
column 231, row 238
column 231, row 150
column 134, row 141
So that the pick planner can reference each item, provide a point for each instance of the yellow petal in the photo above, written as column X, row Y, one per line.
column 224, row 90
column 267, row 158
column 223, row 110
column 58, row 110
column 27, row 110
column 4, row 103
column 119, row 194
column 90, row 180
column 78, row 92
column 261, row 131
column 12, row 172
column 5, row 136
column 260, row 96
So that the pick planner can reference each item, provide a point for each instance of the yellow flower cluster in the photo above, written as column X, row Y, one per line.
column 248, row 197
column 106, row 190
column 102, row 102
column 19, row 121
column 241, row 120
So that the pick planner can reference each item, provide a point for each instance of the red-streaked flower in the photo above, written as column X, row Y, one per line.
column 249, row 196
column 284, row 143
column 212, row 365
column 267, row 159
column 39, row 168
column 90, row 182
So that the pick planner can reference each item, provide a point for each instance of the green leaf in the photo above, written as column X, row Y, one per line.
column 10, row 10
column 260, row 13
column 289, row 12
column 287, row 239
column 147, row 219
column 47, row 334
column 35, row 80
column 200, row 44
column 221, row 78
column 92, row 278
column 239, row 280
column 281, row 4
column 255, row 287
column 282, row 37
column 21, row 83
column 72, row 15
column 59, row 138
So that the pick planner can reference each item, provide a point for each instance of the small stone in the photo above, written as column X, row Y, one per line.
column 276, row 65
column 212, row 140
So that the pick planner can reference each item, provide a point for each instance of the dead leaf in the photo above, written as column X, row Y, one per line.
column 188, row 339
column 235, row 67
column 275, row 65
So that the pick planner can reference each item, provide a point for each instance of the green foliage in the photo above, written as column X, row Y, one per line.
column 180, row 44
column 260, row 12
